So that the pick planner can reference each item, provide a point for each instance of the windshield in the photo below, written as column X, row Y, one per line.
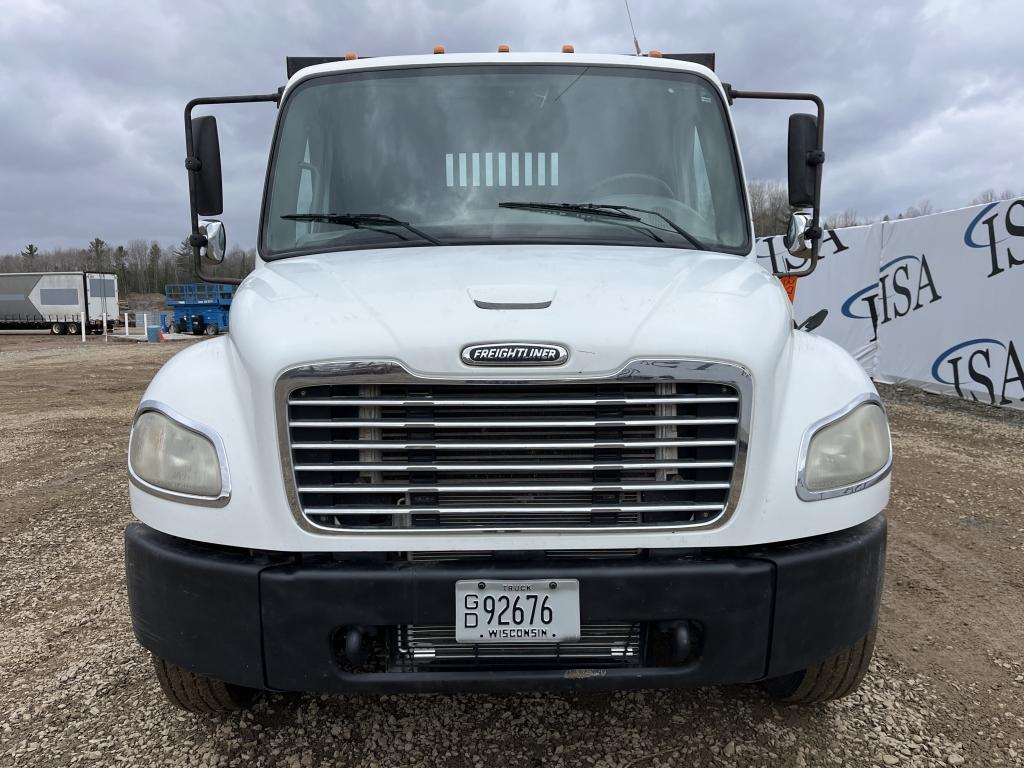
column 440, row 148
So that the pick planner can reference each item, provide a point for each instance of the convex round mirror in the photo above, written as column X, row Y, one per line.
column 794, row 239
column 216, row 241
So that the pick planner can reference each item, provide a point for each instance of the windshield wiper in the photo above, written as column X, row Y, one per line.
column 363, row 221
column 585, row 212
column 608, row 211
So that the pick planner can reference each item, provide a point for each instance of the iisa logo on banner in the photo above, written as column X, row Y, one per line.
column 932, row 301
column 989, row 367
column 991, row 230
column 779, row 257
column 905, row 284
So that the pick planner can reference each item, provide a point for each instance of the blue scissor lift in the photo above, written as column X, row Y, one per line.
column 198, row 307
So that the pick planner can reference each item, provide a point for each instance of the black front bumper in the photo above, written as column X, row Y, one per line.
column 272, row 620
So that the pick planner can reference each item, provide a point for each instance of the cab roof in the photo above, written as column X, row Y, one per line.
column 301, row 68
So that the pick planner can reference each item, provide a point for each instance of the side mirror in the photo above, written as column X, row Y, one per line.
column 804, row 159
column 794, row 239
column 216, row 241
column 206, row 155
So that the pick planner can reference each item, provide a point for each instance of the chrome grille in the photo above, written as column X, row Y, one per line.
column 433, row 647
column 400, row 453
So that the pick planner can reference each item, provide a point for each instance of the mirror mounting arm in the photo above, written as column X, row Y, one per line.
column 815, row 158
column 193, row 165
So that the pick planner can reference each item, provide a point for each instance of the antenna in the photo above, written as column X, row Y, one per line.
column 636, row 44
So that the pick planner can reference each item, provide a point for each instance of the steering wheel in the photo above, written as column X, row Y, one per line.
column 651, row 180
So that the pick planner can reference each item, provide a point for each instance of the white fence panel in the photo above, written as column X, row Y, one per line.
column 954, row 322
column 933, row 301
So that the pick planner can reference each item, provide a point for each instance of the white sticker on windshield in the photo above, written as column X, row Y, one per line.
column 532, row 168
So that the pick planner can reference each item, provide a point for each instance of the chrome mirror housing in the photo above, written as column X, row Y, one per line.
column 794, row 239
column 216, row 241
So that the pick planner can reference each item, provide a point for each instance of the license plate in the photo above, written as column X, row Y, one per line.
column 546, row 611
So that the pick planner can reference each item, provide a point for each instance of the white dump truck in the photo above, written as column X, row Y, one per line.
column 59, row 301
column 508, row 402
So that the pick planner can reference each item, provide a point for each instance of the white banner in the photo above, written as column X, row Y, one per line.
column 848, row 265
column 933, row 301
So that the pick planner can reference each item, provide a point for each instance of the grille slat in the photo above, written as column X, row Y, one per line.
column 558, row 554
column 343, row 445
column 431, row 647
column 504, row 510
column 501, row 403
column 509, row 488
column 545, row 467
column 498, row 424
column 428, row 455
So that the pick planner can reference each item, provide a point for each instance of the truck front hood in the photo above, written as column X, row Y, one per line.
column 421, row 306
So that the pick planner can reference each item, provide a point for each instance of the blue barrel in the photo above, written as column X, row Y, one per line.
column 153, row 334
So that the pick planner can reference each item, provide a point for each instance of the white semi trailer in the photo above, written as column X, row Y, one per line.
column 58, row 301
column 508, row 402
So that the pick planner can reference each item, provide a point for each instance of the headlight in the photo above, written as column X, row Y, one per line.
column 168, row 455
column 847, row 451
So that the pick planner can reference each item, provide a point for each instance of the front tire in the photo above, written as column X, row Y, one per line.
column 58, row 329
column 198, row 693
column 831, row 679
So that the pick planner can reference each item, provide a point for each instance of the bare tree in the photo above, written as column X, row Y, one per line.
column 137, row 274
column 141, row 266
column 847, row 218
column 769, row 205
column 183, row 262
column 924, row 208
column 991, row 196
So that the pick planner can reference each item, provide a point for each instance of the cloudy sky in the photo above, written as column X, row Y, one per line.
column 925, row 99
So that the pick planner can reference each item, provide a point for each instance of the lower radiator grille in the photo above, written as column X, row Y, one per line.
column 420, row 648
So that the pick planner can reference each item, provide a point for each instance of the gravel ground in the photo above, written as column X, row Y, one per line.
column 946, row 688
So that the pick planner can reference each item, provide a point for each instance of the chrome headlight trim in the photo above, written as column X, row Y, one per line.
column 805, row 493
column 198, row 428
